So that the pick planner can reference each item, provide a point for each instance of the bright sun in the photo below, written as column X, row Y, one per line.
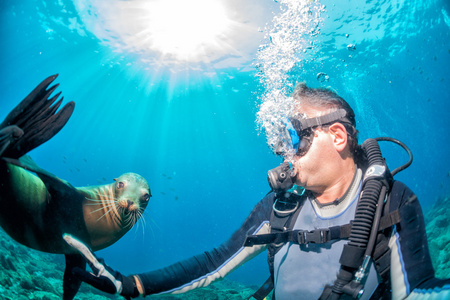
column 186, row 34
column 185, row 29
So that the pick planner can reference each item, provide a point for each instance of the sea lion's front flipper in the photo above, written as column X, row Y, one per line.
column 36, row 115
column 50, row 180
column 71, row 283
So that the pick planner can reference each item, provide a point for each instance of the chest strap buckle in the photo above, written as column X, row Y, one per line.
column 318, row 236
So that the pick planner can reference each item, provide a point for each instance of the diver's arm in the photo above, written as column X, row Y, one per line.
column 412, row 273
column 201, row 270
column 102, row 277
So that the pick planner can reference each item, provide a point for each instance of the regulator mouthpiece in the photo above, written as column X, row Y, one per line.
column 281, row 178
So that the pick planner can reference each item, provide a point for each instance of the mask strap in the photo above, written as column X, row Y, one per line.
column 318, row 121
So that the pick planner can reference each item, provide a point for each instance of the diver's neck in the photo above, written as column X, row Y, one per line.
column 337, row 188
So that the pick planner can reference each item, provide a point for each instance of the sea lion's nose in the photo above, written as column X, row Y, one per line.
column 129, row 203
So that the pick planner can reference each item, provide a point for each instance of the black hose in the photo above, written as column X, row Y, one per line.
column 376, row 221
column 364, row 216
column 365, row 211
column 402, row 167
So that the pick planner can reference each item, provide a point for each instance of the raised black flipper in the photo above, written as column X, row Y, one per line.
column 37, row 117
column 71, row 283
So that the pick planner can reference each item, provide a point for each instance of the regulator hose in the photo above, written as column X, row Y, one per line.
column 375, row 186
column 367, row 205
column 402, row 167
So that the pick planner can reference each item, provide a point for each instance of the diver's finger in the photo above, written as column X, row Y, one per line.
column 85, row 252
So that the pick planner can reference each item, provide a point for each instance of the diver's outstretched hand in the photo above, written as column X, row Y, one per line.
column 103, row 277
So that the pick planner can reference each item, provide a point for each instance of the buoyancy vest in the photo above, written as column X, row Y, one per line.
column 282, row 232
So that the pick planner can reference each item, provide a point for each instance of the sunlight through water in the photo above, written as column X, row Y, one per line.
column 181, row 32
column 174, row 34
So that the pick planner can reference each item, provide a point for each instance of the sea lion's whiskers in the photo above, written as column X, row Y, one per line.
column 144, row 224
column 136, row 220
column 103, row 190
column 93, row 200
column 141, row 217
column 105, row 213
column 129, row 224
column 102, row 199
column 110, row 206
column 126, row 216
column 103, row 194
column 126, row 223
column 153, row 225
column 121, row 210
column 138, row 216
column 131, row 219
column 98, row 202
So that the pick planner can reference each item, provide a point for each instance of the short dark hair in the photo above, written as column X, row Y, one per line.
column 324, row 98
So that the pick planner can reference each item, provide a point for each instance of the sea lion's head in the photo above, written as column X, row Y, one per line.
column 111, row 210
column 132, row 194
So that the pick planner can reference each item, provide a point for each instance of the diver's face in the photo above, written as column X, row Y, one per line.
column 312, row 167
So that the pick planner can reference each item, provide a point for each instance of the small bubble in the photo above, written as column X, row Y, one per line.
column 351, row 47
column 322, row 77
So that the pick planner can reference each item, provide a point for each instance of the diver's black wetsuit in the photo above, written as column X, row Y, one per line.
column 412, row 274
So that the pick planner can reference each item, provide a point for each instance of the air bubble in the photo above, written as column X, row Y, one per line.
column 351, row 47
column 322, row 77
column 286, row 48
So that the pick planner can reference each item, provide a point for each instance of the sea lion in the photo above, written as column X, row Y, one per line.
column 37, row 210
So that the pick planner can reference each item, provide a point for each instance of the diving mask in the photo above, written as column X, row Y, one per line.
column 297, row 134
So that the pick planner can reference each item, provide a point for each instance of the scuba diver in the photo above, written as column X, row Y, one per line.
column 336, row 224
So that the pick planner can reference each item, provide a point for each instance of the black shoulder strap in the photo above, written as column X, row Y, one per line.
column 264, row 290
column 279, row 223
column 382, row 253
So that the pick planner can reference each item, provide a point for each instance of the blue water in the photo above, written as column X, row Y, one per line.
column 190, row 127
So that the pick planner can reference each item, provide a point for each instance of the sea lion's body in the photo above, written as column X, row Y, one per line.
column 33, row 217
column 37, row 216
column 36, row 210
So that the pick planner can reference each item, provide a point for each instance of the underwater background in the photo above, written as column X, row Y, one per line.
column 179, row 104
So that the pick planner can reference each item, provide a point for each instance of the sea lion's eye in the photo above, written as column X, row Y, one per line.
column 120, row 185
column 146, row 197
